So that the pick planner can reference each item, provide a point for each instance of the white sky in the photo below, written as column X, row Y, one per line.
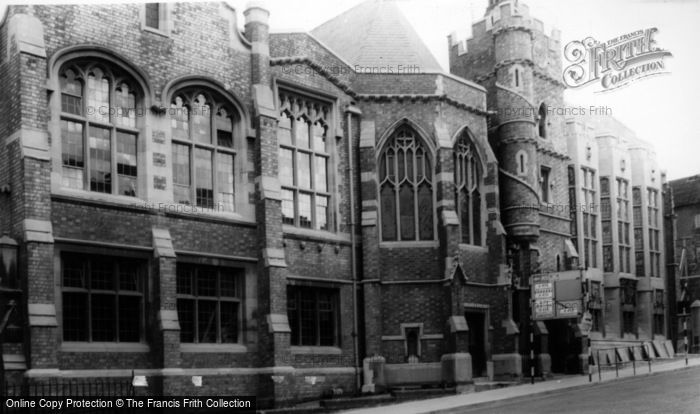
column 662, row 110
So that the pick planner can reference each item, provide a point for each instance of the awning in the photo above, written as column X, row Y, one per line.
column 570, row 248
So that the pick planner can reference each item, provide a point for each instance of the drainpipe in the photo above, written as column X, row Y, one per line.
column 350, row 110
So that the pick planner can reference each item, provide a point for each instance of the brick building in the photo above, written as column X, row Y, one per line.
column 297, row 213
column 685, row 224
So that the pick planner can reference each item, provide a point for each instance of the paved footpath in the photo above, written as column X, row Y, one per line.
column 486, row 398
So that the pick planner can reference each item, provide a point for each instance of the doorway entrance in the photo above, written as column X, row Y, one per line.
column 477, row 341
column 564, row 346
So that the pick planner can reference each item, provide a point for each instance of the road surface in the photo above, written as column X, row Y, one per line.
column 674, row 392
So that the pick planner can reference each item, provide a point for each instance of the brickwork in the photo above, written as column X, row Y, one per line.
column 390, row 284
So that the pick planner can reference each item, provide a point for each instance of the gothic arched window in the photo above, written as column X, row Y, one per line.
column 305, row 161
column 468, row 189
column 98, row 128
column 203, row 128
column 406, row 188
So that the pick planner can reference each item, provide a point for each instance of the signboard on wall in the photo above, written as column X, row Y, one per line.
column 556, row 295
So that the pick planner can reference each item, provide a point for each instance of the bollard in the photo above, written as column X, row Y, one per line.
column 649, row 359
column 590, row 361
column 634, row 368
column 600, row 377
column 617, row 371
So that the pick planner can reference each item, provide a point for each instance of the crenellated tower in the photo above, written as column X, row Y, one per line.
column 512, row 57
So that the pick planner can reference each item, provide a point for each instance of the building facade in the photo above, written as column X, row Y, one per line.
column 301, row 214
column 685, row 224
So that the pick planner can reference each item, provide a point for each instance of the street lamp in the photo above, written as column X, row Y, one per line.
column 8, row 256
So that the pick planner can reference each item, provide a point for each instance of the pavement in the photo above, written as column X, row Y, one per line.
column 494, row 397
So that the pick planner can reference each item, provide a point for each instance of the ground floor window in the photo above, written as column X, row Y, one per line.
column 658, row 324
column 209, row 303
column 102, row 298
column 628, row 322
column 596, row 319
column 313, row 315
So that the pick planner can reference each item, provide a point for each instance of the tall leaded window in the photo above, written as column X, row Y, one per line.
column 590, row 218
column 102, row 298
column 98, row 128
column 204, row 133
column 406, row 188
column 654, row 232
column 304, row 161
column 638, row 231
column 209, row 303
column 623, row 225
column 314, row 316
column 153, row 15
column 467, row 190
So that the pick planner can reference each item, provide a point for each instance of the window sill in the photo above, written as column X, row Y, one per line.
column 104, row 347
column 315, row 350
column 184, row 210
column 409, row 244
column 103, row 198
column 315, row 234
column 213, row 348
column 473, row 248
column 155, row 31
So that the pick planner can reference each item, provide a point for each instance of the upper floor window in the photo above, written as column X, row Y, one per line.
column 545, row 184
column 654, row 232
column 623, row 225
column 204, row 141
column 589, row 214
column 209, row 303
column 542, row 122
column 406, row 188
column 99, row 129
column 467, row 189
column 304, row 162
column 314, row 315
column 155, row 17
column 102, row 298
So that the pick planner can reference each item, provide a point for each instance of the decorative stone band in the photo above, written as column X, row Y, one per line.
column 449, row 218
column 42, row 314
column 264, row 101
column 367, row 134
column 274, row 257
column 32, row 142
column 457, row 323
column 168, row 321
column 38, row 231
column 270, row 187
column 162, row 243
column 369, row 218
column 260, row 48
column 27, row 33
column 278, row 323
column 176, row 372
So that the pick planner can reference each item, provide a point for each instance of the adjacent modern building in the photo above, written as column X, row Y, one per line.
column 291, row 215
column 686, row 244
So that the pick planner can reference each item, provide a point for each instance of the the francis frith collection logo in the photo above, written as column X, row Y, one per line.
column 614, row 63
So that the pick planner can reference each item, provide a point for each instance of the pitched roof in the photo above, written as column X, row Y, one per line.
column 686, row 191
column 376, row 33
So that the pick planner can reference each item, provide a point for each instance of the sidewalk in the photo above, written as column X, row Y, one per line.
column 540, row 387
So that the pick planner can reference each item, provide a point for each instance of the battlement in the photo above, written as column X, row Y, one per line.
column 500, row 16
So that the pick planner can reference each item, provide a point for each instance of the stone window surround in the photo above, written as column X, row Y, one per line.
column 480, row 173
column 380, row 148
column 145, row 125
column 333, row 138
column 164, row 19
column 82, row 346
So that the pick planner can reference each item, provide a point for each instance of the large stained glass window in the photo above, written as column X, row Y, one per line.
column 468, row 190
column 406, row 188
